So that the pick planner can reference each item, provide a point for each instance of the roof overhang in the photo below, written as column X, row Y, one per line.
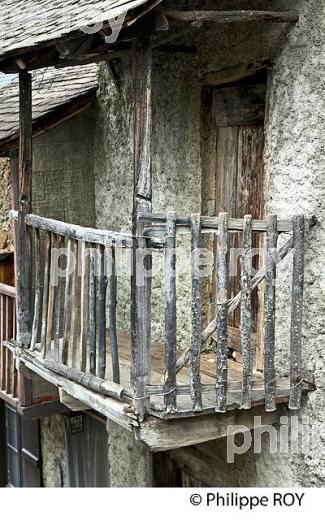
column 78, row 48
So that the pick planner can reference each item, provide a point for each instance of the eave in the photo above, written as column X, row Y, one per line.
column 55, row 117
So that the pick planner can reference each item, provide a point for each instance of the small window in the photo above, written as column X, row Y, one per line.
column 22, row 450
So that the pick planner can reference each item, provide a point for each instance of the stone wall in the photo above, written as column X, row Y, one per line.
column 53, row 445
column 6, row 236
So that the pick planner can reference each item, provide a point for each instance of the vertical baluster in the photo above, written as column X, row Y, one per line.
column 84, row 306
column 269, row 320
column 14, row 319
column 296, row 312
column 67, row 303
column 102, row 290
column 13, row 336
column 92, row 313
column 112, row 318
column 170, row 314
column 57, row 302
column 37, row 300
column 246, row 312
column 195, row 352
column 8, row 352
column 3, row 359
column 72, row 339
column 222, row 313
column 46, row 291
column 50, row 306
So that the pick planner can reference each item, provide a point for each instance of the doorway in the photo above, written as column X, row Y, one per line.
column 233, row 118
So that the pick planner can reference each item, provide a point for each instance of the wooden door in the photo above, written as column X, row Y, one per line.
column 233, row 146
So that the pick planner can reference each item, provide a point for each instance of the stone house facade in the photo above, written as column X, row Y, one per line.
column 265, row 80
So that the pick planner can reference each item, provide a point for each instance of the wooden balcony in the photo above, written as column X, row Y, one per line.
column 168, row 396
column 31, row 396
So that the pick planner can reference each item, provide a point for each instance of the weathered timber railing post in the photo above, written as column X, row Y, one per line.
column 170, row 314
column 142, row 203
column 296, row 312
column 222, row 313
column 23, row 248
column 269, row 319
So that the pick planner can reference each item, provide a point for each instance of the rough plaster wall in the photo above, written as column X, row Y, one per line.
column 130, row 463
column 176, row 165
column 295, row 160
column 63, row 182
column 53, row 451
column 6, row 237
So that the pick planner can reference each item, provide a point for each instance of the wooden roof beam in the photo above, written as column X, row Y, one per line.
column 198, row 18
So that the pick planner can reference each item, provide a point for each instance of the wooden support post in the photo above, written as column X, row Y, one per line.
column 269, row 335
column 195, row 352
column 296, row 312
column 141, row 288
column 23, row 252
column 222, row 313
column 246, row 312
column 170, row 314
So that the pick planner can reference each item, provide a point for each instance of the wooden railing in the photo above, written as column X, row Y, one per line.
column 8, row 372
column 167, row 227
column 74, row 319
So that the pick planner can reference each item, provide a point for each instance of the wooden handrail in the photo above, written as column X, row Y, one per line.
column 7, row 290
column 75, row 232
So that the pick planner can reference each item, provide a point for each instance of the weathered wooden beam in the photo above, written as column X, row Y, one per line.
column 7, row 290
column 235, row 73
column 162, row 435
column 200, row 17
column 296, row 312
column 195, row 352
column 120, row 412
column 170, row 315
column 269, row 317
column 210, row 224
column 23, row 252
column 142, row 203
column 246, row 312
column 95, row 236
